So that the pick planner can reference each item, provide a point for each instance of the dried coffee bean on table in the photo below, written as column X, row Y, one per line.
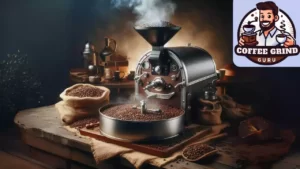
column 126, row 112
column 92, row 125
column 85, row 91
column 82, row 123
column 195, row 151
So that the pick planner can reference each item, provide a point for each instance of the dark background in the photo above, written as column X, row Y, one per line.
column 53, row 34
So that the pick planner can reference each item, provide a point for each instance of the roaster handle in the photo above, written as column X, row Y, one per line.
column 158, row 95
column 143, row 106
column 138, row 78
column 179, row 84
column 150, row 85
column 144, row 109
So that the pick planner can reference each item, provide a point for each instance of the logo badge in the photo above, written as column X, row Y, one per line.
column 265, row 36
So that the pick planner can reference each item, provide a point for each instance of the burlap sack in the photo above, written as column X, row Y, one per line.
column 77, row 102
column 233, row 110
column 72, row 108
column 69, row 115
column 210, row 114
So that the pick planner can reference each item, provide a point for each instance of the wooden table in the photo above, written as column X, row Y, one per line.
column 42, row 130
column 51, row 143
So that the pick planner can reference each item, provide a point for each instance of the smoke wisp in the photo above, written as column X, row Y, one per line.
column 203, row 24
column 148, row 11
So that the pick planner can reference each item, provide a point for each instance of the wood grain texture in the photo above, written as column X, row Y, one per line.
column 43, row 127
column 9, row 161
column 161, row 152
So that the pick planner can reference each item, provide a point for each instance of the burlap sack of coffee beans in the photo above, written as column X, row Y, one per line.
column 210, row 113
column 233, row 110
column 80, row 101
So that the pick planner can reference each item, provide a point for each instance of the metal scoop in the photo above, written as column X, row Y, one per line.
column 144, row 109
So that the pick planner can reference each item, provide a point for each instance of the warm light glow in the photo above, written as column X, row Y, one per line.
column 132, row 45
column 203, row 39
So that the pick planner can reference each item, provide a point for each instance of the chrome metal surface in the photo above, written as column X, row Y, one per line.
column 174, row 67
column 158, row 84
column 197, row 70
column 159, row 95
column 179, row 84
column 197, row 62
column 157, row 69
column 133, row 131
column 173, row 77
column 140, row 76
column 144, row 109
column 143, row 106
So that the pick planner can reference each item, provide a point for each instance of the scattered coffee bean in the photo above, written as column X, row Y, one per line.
column 92, row 125
column 85, row 91
column 82, row 123
column 126, row 112
column 197, row 150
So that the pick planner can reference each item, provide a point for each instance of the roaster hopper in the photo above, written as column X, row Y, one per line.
column 176, row 76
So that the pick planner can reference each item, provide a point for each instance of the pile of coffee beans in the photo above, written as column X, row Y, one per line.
column 126, row 112
column 195, row 151
column 157, row 24
column 85, row 91
column 92, row 125
column 85, row 122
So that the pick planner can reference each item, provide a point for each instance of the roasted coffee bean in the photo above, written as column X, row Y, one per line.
column 92, row 125
column 82, row 123
column 126, row 112
column 85, row 91
column 197, row 150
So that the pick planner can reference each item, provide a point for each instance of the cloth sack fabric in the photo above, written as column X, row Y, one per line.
column 103, row 151
column 210, row 114
column 233, row 110
column 72, row 108
column 84, row 101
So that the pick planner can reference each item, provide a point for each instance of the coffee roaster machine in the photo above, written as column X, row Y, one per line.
column 175, row 76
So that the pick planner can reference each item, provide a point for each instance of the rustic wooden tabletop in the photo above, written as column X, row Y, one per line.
column 42, row 129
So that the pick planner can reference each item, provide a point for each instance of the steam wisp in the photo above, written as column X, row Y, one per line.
column 201, row 27
column 148, row 11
